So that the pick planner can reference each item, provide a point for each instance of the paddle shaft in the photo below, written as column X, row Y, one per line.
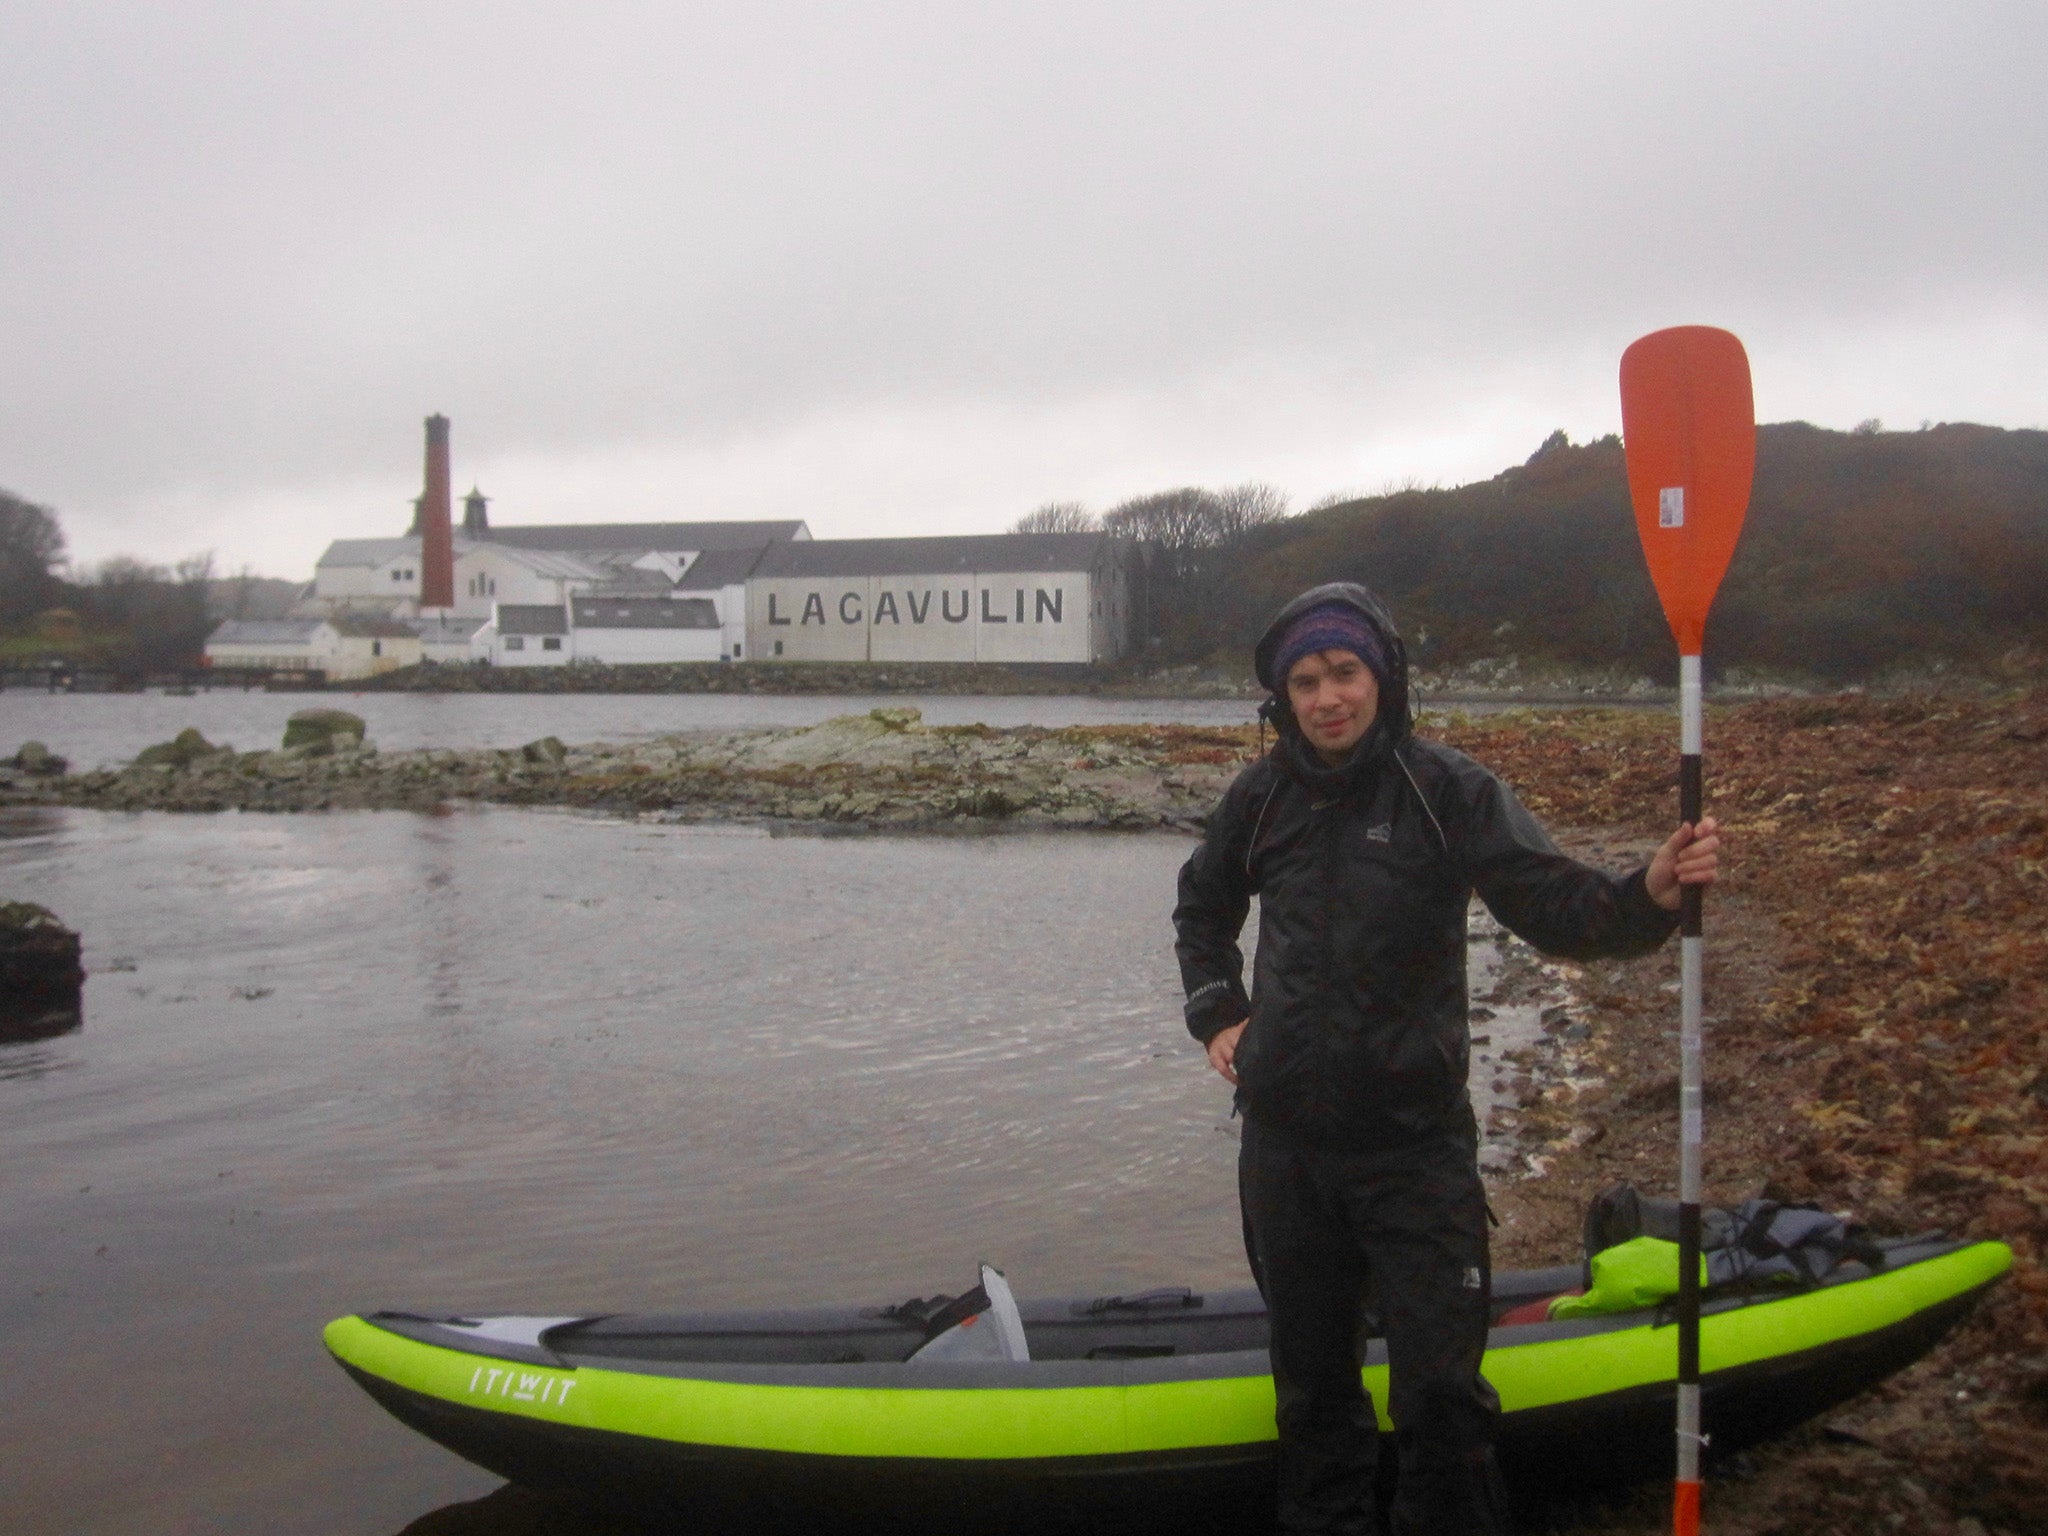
column 1688, row 419
column 1691, row 794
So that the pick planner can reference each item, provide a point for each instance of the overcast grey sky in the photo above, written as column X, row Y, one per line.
column 905, row 266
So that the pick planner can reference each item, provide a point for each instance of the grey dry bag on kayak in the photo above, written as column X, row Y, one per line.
column 1760, row 1242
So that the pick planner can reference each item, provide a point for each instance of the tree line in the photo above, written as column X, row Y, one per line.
column 127, row 616
column 1864, row 551
column 1192, row 539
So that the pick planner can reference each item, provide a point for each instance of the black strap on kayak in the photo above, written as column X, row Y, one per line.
column 914, row 1313
column 1165, row 1298
column 932, row 1316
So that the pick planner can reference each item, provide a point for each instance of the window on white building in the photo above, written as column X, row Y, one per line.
column 515, row 642
column 551, row 643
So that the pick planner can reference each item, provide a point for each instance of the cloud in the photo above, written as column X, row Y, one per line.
column 908, row 263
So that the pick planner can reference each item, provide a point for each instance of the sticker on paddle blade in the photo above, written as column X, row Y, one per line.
column 1688, row 425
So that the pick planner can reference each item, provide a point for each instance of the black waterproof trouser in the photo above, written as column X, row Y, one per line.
column 1325, row 1230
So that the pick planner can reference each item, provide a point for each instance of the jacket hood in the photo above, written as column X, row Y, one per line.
column 1394, row 716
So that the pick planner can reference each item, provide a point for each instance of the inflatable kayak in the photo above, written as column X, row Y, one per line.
column 1067, row 1407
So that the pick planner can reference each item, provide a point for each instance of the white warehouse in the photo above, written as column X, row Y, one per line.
column 1062, row 598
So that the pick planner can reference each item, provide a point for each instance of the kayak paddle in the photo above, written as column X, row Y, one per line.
column 1688, row 425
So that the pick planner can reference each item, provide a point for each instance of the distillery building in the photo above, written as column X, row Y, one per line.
column 743, row 590
column 1063, row 598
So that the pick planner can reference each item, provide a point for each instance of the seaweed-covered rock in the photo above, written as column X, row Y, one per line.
column 40, row 974
column 549, row 749
column 39, row 761
column 323, row 730
column 181, row 751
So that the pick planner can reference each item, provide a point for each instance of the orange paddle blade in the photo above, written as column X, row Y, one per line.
column 1688, row 425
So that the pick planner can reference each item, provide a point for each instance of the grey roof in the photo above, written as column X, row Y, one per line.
column 643, row 537
column 557, row 562
column 447, row 629
column 368, row 551
column 264, row 631
column 960, row 555
column 532, row 619
column 626, row 581
column 645, row 612
column 363, row 627
column 717, row 568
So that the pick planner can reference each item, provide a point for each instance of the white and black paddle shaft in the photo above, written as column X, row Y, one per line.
column 1689, row 429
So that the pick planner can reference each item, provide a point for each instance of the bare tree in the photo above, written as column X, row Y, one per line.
column 31, row 545
column 1241, row 508
column 159, row 614
column 196, row 570
column 1177, row 524
column 1197, row 541
column 1058, row 517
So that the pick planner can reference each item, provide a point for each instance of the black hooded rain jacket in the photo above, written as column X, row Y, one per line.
column 1358, row 1033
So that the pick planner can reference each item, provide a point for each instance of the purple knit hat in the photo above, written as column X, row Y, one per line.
column 1330, row 627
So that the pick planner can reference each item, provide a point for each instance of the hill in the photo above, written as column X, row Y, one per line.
column 1864, row 552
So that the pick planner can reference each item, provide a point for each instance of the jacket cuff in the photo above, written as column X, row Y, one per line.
column 1213, row 1008
column 1655, row 919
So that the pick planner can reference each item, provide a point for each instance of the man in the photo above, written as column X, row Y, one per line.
column 1359, row 1165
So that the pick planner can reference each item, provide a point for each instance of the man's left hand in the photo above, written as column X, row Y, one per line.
column 1690, row 857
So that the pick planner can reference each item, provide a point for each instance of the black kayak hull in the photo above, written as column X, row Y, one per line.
column 587, row 1407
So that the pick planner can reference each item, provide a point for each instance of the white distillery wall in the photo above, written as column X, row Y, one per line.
column 732, row 618
column 276, row 657
column 626, row 647
column 395, row 580
column 808, row 618
column 484, row 576
column 530, row 651
column 355, row 657
column 1034, row 617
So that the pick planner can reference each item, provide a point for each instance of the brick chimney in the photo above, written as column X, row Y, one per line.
column 437, row 537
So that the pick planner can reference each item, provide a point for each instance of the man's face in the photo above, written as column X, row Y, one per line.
column 1335, row 698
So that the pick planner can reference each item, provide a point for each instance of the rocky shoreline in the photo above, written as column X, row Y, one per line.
column 1505, row 679
column 884, row 771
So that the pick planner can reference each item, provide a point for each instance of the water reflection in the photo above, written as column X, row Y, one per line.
column 513, row 1511
column 19, row 1029
column 20, row 1063
column 530, row 1061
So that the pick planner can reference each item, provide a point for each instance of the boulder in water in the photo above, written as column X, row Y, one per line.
column 181, row 751
column 38, row 760
column 40, row 974
column 323, row 730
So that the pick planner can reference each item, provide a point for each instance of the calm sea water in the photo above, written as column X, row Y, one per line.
column 539, row 1062
column 96, row 729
